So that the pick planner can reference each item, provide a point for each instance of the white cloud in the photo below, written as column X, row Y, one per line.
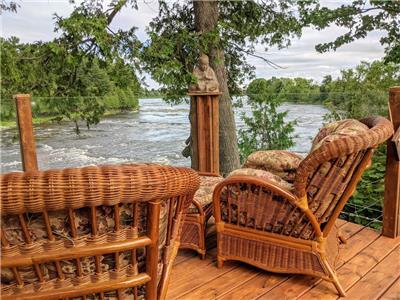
column 301, row 58
column 34, row 21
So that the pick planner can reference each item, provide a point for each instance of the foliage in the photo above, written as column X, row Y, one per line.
column 11, row 6
column 361, row 91
column 360, row 17
column 174, row 45
column 150, row 93
column 358, row 93
column 62, row 87
column 366, row 205
column 266, row 129
column 89, row 68
column 298, row 90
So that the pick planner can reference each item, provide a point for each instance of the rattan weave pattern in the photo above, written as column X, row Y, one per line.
column 92, row 186
column 296, row 260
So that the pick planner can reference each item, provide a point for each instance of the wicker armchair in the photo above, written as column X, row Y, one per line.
column 198, row 213
column 108, row 232
column 291, row 230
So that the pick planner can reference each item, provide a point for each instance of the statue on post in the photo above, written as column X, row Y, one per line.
column 206, row 79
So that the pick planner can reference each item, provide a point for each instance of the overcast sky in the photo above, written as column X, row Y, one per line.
column 34, row 21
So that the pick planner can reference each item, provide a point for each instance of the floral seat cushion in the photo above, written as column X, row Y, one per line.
column 205, row 193
column 279, row 162
column 265, row 175
column 336, row 130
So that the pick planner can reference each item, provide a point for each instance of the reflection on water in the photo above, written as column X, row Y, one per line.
column 156, row 133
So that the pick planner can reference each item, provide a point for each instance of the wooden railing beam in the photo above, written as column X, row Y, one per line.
column 26, row 135
column 391, row 210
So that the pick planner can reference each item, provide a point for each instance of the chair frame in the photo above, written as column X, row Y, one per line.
column 264, row 249
column 90, row 187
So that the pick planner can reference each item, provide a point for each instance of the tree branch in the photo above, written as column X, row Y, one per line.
column 117, row 7
column 269, row 62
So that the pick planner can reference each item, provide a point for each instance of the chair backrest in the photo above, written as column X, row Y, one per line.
column 92, row 232
column 328, row 175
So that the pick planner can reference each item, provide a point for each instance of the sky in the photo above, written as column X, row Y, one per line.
column 35, row 22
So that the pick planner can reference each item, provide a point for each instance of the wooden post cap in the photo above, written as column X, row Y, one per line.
column 204, row 94
column 395, row 89
column 21, row 96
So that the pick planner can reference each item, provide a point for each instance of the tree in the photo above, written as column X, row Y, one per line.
column 361, row 91
column 360, row 17
column 266, row 128
column 87, row 69
column 11, row 6
column 299, row 90
column 228, row 32
column 42, row 70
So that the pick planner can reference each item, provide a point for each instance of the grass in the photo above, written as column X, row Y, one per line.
column 36, row 120
column 47, row 120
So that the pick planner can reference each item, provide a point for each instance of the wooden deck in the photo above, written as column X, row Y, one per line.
column 369, row 268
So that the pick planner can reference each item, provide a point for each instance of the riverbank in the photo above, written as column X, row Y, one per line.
column 56, row 119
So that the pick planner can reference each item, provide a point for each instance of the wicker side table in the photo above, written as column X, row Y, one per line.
column 197, row 215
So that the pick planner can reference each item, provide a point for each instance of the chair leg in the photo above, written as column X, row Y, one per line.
column 202, row 237
column 335, row 280
column 339, row 287
column 220, row 262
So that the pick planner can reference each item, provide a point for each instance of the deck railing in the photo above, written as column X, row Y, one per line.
column 391, row 210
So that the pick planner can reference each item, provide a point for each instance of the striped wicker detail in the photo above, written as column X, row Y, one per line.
column 106, row 231
column 191, row 233
column 328, row 182
column 270, row 256
column 252, row 206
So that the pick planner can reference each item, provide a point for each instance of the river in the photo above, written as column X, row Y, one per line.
column 155, row 133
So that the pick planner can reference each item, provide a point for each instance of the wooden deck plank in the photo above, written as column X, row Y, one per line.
column 366, row 250
column 184, row 255
column 355, row 269
column 379, row 279
column 222, row 284
column 189, row 277
column 259, row 285
column 340, row 222
column 300, row 284
column 393, row 293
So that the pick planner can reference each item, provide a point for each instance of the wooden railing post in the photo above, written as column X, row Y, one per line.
column 26, row 136
column 391, row 211
column 206, row 135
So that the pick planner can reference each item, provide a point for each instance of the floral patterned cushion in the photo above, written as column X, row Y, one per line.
column 204, row 194
column 265, row 175
column 336, row 130
column 279, row 162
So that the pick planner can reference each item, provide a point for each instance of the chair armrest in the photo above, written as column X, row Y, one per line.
column 248, row 201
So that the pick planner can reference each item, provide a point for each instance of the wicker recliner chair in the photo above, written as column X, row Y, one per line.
column 107, row 232
column 290, row 227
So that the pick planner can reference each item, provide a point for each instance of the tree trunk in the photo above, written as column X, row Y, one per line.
column 206, row 18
